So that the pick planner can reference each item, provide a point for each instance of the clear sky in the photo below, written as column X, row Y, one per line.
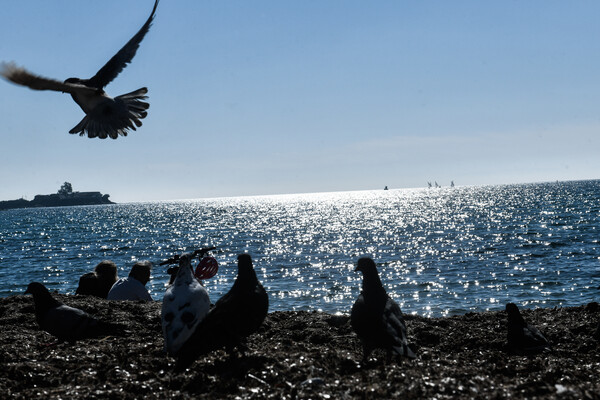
column 269, row 97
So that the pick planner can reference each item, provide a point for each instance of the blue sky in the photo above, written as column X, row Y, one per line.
column 269, row 97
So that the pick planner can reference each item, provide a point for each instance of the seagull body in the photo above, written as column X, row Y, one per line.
column 185, row 304
column 105, row 116
column 521, row 336
column 376, row 318
column 235, row 316
column 64, row 322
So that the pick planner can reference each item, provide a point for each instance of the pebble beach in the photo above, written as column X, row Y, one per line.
column 300, row 355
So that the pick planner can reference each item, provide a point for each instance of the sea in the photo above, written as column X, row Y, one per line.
column 439, row 251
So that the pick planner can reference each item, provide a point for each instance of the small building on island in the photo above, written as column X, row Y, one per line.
column 65, row 197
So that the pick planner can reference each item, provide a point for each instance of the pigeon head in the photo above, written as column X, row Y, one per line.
column 371, row 280
column 185, row 260
column 513, row 313
column 245, row 269
column 184, row 273
column 366, row 265
column 244, row 260
column 37, row 289
column 42, row 298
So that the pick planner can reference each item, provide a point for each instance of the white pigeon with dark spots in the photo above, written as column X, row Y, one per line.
column 64, row 322
column 376, row 318
column 185, row 304
column 105, row 116
column 521, row 336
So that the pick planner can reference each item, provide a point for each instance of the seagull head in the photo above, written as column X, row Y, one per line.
column 73, row 80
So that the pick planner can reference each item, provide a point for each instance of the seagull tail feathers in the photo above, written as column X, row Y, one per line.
column 115, row 117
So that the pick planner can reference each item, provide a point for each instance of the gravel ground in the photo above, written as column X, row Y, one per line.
column 300, row 355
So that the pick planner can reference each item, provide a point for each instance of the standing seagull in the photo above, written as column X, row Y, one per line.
column 105, row 116
column 64, row 322
column 521, row 336
column 376, row 318
column 236, row 315
column 185, row 304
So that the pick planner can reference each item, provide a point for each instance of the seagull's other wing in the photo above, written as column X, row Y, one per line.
column 21, row 76
column 120, row 60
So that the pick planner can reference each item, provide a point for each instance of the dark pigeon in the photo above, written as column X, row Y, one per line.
column 235, row 316
column 521, row 336
column 105, row 116
column 376, row 318
column 99, row 282
column 64, row 322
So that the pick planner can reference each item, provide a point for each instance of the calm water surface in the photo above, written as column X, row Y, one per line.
column 439, row 251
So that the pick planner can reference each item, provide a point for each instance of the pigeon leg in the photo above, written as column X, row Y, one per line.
column 366, row 352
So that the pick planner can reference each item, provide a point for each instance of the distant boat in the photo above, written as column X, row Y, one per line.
column 451, row 183
column 385, row 188
column 436, row 185
column 429, row 184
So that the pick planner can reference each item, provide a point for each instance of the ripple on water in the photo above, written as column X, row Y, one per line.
column 439, row 252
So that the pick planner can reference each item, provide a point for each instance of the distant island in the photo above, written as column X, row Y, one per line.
column 65, row 197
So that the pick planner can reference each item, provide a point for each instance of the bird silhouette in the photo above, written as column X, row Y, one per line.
column 64, row 322
column 105, row 116
column 376, row 318
column 184, row 306
column 521, row 336
column 235, row 316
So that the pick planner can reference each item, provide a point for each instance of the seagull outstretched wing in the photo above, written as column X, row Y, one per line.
column 21, row 76
column 119, row 61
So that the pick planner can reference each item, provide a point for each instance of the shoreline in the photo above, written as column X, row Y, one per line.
column 300, row 354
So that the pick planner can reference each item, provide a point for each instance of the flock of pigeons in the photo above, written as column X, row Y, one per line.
column 192, row 326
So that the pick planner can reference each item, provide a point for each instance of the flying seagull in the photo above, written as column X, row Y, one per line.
column 376, row 317
column 105, row 116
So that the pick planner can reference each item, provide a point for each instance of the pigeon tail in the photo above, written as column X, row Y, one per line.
column 114, row 117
